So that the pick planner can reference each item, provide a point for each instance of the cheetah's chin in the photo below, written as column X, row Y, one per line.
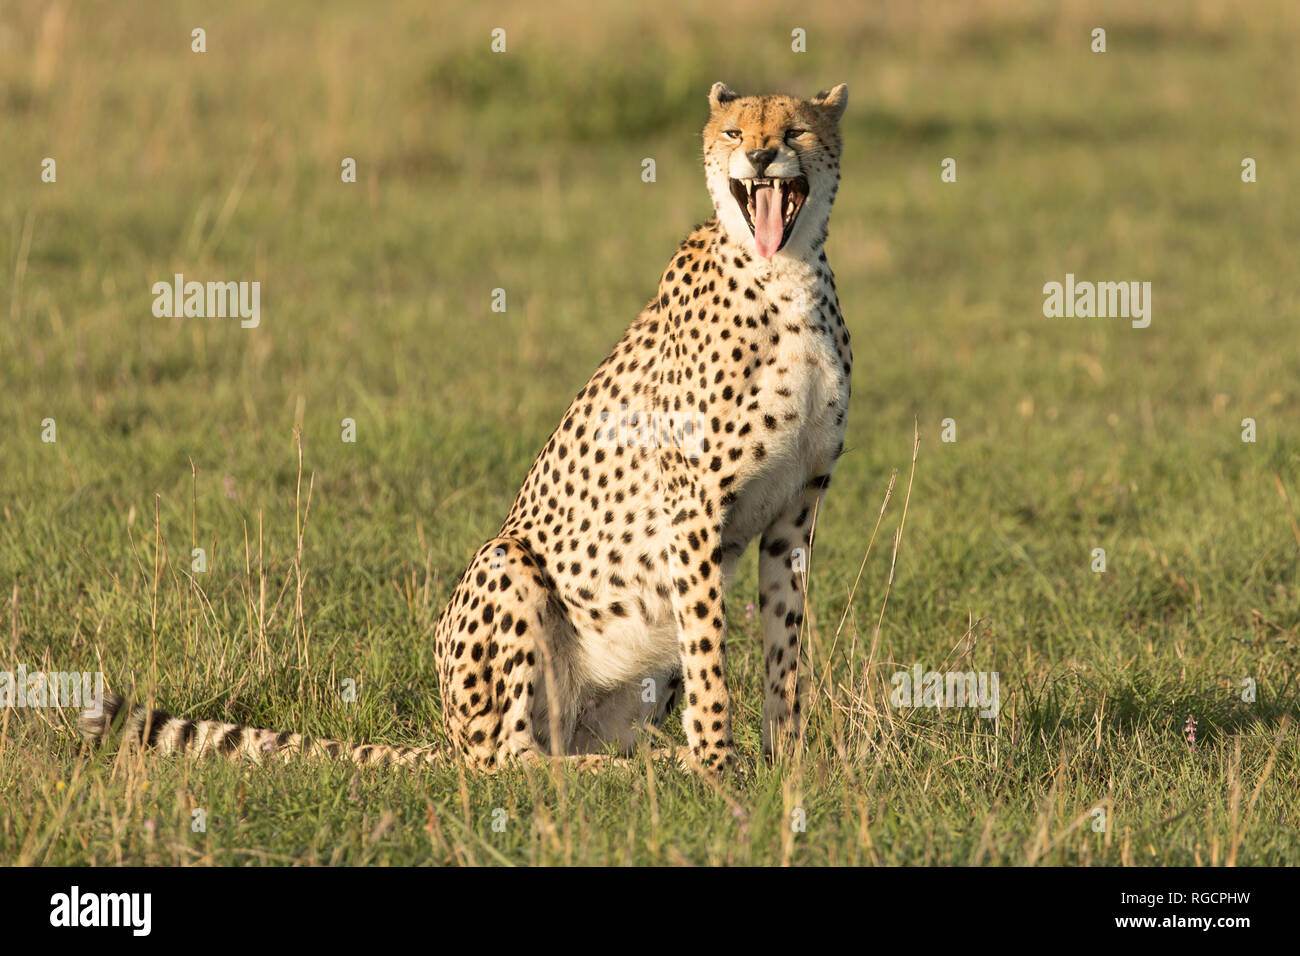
column 770, row 207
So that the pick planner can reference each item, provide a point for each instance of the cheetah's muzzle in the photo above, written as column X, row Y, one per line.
column 770, row 207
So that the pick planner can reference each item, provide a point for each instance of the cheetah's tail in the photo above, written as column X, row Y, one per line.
column 197, row 738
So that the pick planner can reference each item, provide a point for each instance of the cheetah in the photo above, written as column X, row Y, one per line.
column 717, row 418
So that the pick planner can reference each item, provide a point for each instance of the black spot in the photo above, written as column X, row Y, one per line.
column 231, row 741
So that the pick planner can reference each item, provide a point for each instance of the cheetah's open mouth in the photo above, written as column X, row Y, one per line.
column 770, row 207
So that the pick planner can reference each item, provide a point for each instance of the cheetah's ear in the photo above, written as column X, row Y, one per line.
column 833, row 100
column 720, row 95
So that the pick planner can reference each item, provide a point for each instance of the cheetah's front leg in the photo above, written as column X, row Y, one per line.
column 784, row 552
column 701, row 630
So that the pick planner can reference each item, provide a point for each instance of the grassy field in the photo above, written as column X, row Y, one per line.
column 522, row 171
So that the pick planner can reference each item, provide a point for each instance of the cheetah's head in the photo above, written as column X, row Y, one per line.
column 773, row 166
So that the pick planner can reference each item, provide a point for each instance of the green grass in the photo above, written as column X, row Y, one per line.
column 522, row 172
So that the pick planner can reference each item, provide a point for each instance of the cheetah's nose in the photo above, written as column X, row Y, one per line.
column 759, row 158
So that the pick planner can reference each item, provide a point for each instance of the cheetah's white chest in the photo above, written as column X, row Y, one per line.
column 805, row 388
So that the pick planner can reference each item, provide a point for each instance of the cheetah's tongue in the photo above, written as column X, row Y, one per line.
column 769, row 222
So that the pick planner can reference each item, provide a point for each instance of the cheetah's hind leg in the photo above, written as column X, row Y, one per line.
column 504, row 646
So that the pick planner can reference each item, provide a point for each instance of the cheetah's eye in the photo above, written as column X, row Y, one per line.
column 794, row 133
column 732, row 134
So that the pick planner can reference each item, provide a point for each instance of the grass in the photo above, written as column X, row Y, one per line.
column 523, row 172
